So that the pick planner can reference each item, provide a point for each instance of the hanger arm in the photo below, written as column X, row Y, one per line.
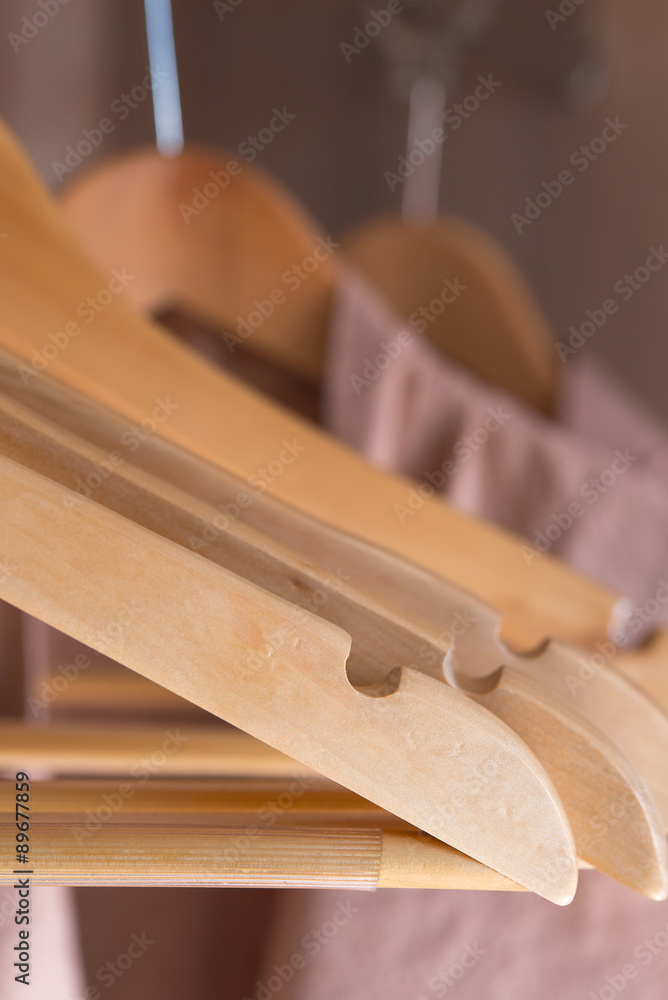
column 120, row 359
column 590, row 775
column 278, row 673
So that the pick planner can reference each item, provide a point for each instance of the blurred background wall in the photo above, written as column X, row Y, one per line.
column 237, row 64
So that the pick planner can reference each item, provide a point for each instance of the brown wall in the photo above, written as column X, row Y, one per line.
column 349, row 130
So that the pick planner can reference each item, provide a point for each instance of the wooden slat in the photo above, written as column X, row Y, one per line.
column 216, row 833
column 81, row 748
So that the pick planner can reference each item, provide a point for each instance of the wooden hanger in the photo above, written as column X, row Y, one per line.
column 322, row 485
column 278, row 672
column 444, row 276
column 209, row 234
column 452, row 283
column 129, row 363
column 124, row 361
column 503, row 312
column 212, row 235
column 590, row 775
column 408, row 263
column 250, row 241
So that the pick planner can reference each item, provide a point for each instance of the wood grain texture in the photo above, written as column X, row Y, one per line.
column 648, row 668
column 126, row 362
column 43, row 269
column 440, row 611
column 183, row 855
column 77, row 748
column 591, row 776
column 266, row 833
column 216, row 261
column 278, row 673
column 490, row 323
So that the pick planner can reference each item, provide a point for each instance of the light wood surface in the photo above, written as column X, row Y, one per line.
column 443, row 613
column 128, row 363
column 486, row 318
column 249, row 243
column 272, row 834
column 559, row 664
column 648, row 667
column 589, row 773
column 80, row 748
column 278, row 672
column 238, row 246
column 100, row 692
column 124, row 361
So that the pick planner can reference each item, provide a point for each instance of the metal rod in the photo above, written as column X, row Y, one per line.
column 162, row 61
column 422, row 187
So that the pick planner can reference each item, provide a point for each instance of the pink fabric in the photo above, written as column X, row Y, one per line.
column 56, row 971
column 499, row 460
column 56, row 968
column 404, row 406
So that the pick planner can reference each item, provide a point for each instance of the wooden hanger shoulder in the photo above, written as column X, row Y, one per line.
column 590, row 774
column 207, row 233
column 121, row 359
column 452, row 283
column 278, row 672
